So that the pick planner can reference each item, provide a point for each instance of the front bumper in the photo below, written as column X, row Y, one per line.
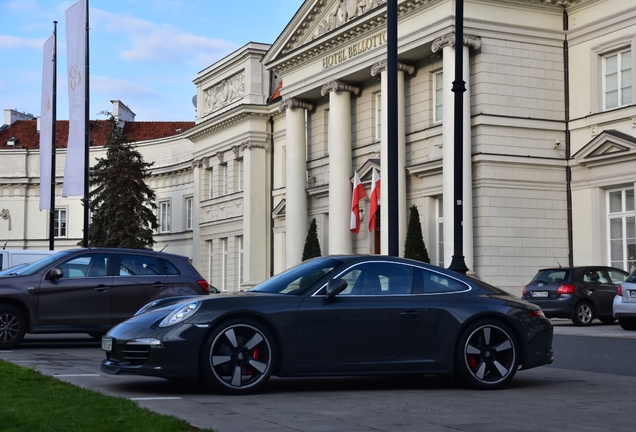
column 175, row 356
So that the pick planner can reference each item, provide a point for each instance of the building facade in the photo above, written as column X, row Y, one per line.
column 548, row 141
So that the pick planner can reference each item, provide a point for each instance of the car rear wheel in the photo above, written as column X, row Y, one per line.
column 486, row 355
column 238, row 357
column 583, row 314
column 12, row 326
column 627, row 323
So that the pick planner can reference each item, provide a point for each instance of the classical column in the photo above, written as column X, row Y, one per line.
column 447, row 44
column 380, row 68
column 340, row 165
column 196, row 209
column 295, row 179
column 255, row 214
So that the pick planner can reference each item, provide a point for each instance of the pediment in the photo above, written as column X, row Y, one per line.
column 606, row 147
column 316, row 18
column 365, row 172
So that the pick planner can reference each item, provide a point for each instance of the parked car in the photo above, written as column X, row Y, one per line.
column 624, row 306
column 339, row 315
column 578, row 293
column 89, row 290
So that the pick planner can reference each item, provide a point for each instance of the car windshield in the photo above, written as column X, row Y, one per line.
column 41, row 264
column 297, row 279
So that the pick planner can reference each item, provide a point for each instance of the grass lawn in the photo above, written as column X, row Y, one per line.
column 32, row 402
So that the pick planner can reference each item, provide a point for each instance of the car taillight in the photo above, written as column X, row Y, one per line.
column 619, row 291
column 538, row 313
column 566, row 289
column 205, row 285
column 525, row 290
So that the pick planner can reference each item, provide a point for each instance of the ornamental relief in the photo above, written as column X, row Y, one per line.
column 344, row 12
column 224, row 93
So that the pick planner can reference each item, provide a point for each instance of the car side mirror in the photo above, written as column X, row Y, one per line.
column 55, row 273
column 335, row 287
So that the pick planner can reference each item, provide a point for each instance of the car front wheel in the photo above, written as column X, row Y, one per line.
column 12, row 326
column 486, row 355
column 583, row 314
column 627, row 323
column 238, row 357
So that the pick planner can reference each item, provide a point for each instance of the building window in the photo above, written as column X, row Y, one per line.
column 164, row 216
column 211, row 183
column 223, row 177
column 438, row 97
column 210, row 260
column 622, row 228
column 59, row 228
column 240, row 260
column 617, row 79
column 378, row 116
column 440, row 232
column 224, row 264
column 189, row 202
column 240, row 174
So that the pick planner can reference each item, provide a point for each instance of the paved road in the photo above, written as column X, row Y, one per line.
column 565, row 396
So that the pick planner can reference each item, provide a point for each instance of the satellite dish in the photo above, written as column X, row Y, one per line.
column 194, row 100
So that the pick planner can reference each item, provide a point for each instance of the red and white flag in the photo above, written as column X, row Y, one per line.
column 76, row 57
column 358, row 194
column 374, row 199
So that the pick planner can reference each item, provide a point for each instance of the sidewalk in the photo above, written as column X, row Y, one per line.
column 597, row 329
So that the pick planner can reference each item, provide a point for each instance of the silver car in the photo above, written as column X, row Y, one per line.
column 624, row 306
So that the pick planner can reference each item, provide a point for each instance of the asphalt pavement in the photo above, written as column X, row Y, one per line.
column 541, row 399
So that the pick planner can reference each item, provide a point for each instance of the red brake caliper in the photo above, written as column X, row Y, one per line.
column 472, row 361
column 255, row 355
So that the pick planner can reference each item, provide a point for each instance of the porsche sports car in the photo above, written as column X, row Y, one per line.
column 337, row 315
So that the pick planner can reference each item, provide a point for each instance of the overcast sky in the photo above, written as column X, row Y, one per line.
column 145, row 53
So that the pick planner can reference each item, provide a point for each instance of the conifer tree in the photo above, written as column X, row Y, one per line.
column 414, row 247
column 312, row 245
column 121, row 203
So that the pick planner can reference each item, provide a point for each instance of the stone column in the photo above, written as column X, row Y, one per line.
column 196, row 209
column 295, row 180
column 447, row 43
column 384, row 167
column 340, row 165
column 255, row 214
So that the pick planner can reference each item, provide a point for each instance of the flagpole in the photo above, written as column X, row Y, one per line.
column 86, row 137
column 53, row 141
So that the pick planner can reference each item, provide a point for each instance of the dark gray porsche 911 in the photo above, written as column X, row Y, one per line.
column 339, row 315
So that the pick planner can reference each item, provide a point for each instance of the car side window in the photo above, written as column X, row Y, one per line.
column 429, row 282
column 616, row 276
column 595, row 277
column 89, row 265
column 139, row 265
column 378, row 279
column 169, row 268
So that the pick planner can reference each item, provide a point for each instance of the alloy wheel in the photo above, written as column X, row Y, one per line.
column 240, row 357
column 584, row 313
column 490, row 354
column 10, row 327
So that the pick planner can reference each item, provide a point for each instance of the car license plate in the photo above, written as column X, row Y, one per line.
column 632, row 294
column 107, row 344
column 539, row 294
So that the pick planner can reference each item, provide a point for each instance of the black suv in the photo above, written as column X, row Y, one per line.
column 578, row 293
column 89, row 290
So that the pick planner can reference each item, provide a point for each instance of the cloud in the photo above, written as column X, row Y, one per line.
column 121, row 89
column 150, row 42
column 12, row 42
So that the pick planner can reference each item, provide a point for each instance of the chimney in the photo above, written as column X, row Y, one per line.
column 122, row 113
column 11, row 116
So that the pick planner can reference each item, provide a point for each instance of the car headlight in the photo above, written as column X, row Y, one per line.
column 180, row 314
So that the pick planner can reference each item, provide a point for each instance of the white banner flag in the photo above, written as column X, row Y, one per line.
column 76, row 58
column 46, row 124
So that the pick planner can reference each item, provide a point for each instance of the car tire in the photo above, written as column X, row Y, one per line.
column 238, row 357
column 583, row 314
column 607, row 321
column 627, row 323
column 487, row 355
column 12, row 326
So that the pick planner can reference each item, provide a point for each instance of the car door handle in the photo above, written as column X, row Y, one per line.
column 411, row 313
column 102, row 288
column 158, row 285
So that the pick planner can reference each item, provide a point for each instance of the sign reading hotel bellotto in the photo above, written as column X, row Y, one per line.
column 355, row 49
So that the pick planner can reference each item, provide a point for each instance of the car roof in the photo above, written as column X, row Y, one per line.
column 123, row 250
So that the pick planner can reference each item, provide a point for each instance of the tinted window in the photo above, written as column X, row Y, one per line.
column 551, row 275
column 139, row 265
column 297, row 279
column 430, row 282
column 169, row 269
column 595, row 276
column 89, row 265
column 378, row 279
